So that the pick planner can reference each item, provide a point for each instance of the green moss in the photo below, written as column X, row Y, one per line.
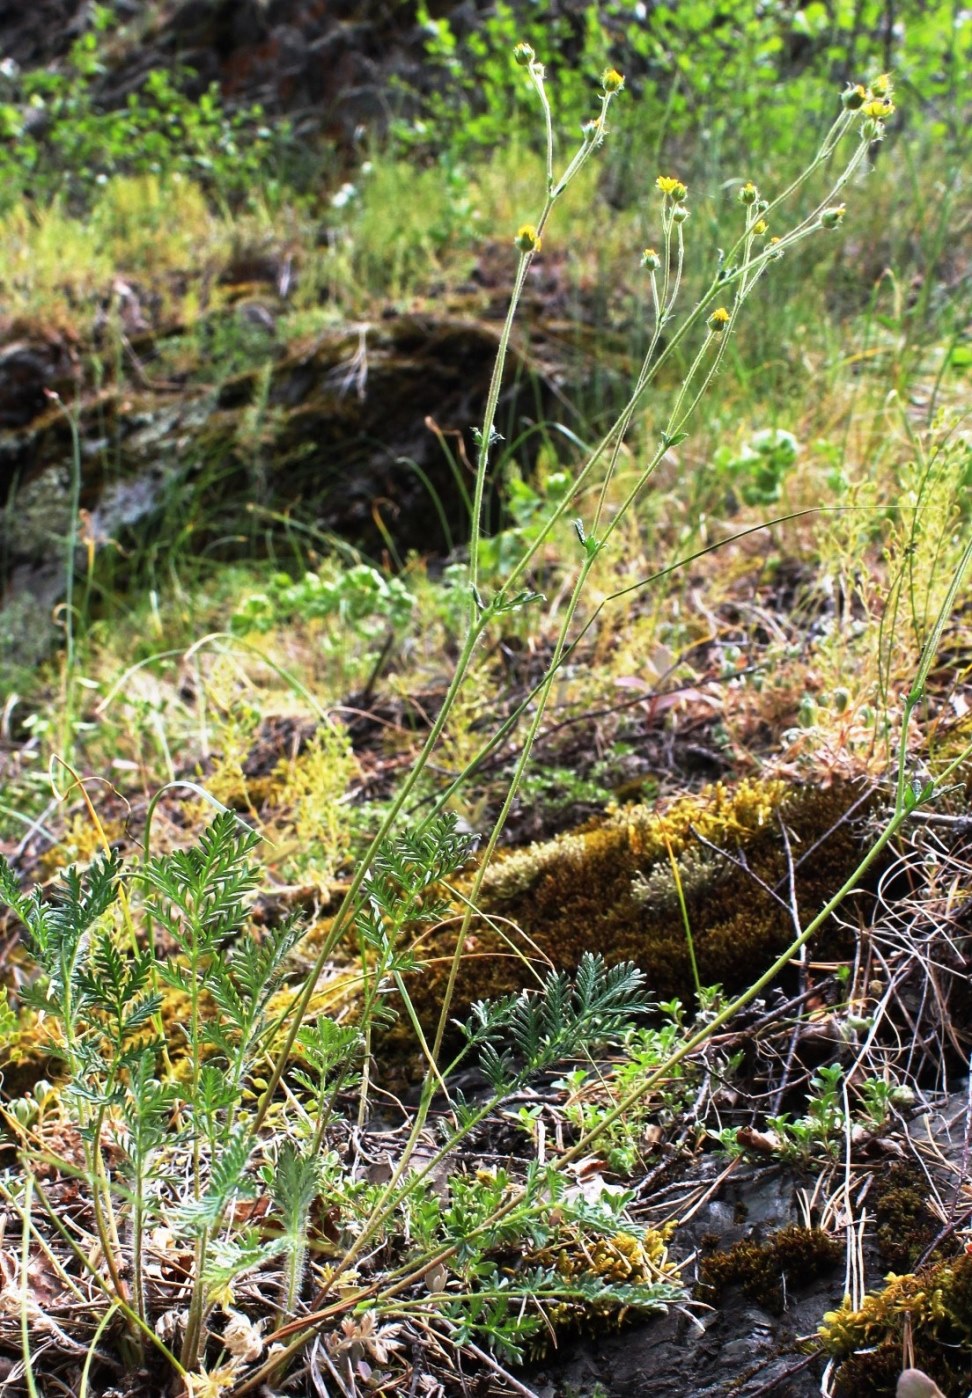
column 931, row 1309
column 764, row 1271
column 906, row 1224
column 871, row 1375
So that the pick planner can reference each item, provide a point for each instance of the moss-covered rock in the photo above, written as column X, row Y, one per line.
column 610, row 888
column 764, row 1270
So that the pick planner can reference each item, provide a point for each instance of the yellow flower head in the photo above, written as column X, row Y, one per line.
column 879, row 110
column 748, row 193
column 760, row 227
column 612, row 80
column 650, row 259
column 526, row 239
column 671, row 187
column 718, row 320
column 881, row 86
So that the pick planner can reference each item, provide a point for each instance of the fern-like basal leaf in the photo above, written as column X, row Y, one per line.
column 607, row 998
column 419, row 857
column 112, row 982
column 233, row 1009
column 295, row 1184
column 175, row 973
column 76, row 906
column 258, row 968
column 222, row 1039
column 10, row 891
column 486, row 1017
column 201, row 892
column 497, row 1068
column 370, row 926
column 541, row 1028
column 328, row 1046
column 228, row 1259
column 215, row 1095
column 146, row 1109
column 227, row 1180
column 140, row 1014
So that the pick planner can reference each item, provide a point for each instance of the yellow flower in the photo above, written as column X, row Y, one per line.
column 760, row 227
column 718, row 320
column 748, row 193
column 650, row 259
column 526, row 239
column 854, row 97
column 881, row 86
column 879, row 110
column 203, row 1385
column 671, row 187
column 612, row 80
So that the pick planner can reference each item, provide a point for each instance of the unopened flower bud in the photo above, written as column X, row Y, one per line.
column 760, row 227
column 650, row 259
column 832, row 218
column 679, row 214
column 612, row 80
column 881, row 85
column 718, row 320
column 748, row 193
column 526, row 239
column 524, row 55
column 853, row 97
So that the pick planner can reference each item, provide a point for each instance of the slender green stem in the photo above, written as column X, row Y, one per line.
column 478, row 620
column 25, row 1293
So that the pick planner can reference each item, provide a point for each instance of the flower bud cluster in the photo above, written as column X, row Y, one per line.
column 874, row 104
column 671, row 188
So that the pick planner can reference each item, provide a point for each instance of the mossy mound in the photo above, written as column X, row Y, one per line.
column 764, row 1270
column 610, row 888
column 906, row 1223
column 932, row 1307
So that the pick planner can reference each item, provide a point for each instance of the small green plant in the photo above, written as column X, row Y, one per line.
column 358, row 597
column 63, row 141
column 826, row 1126
column 157, row 1058
column 759, row 469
